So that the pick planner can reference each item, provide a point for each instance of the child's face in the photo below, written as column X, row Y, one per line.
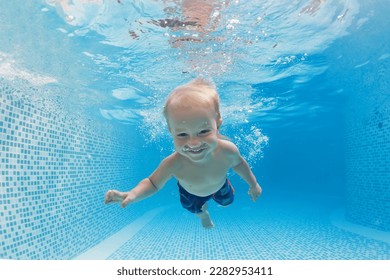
column 194, row 131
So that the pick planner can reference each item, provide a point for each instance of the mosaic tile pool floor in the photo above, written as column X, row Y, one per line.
column 291, row 229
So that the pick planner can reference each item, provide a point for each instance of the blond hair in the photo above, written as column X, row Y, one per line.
column 197, row 93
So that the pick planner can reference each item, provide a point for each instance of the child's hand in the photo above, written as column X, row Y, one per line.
column 255, row 192
column 114, row 196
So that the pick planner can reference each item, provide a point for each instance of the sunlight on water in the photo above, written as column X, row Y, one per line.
column 11, row 71
column 135, row 52
column 229, row 37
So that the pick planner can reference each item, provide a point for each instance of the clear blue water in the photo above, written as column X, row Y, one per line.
column 304, row 94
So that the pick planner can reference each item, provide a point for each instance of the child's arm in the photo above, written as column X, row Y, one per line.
column 147, row 187
column 241, row 167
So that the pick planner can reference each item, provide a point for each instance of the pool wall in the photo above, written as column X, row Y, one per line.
column 54, row 171
column 368, row 148
column 364, row 78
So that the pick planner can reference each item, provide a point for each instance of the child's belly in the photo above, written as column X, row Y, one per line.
column 202, row 188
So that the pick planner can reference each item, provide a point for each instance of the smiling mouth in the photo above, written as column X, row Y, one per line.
column 194, row 150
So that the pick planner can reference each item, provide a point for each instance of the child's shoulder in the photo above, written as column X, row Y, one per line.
column 230, row 152
column 172, row 161
column 227, row 146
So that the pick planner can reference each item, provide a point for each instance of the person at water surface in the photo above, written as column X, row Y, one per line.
column 202, row 156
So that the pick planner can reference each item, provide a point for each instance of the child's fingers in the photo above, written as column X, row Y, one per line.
column 108, row 197
column 113, row 196
column 254, row 195
column 126, row 201
column 251, row 195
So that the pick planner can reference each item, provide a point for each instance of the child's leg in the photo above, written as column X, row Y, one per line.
column 197, row 205
column 205, row 217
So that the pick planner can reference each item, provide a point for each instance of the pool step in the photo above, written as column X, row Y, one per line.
column 108, row 246
column 337, row 218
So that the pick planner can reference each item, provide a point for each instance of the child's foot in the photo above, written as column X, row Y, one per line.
column 204, row 217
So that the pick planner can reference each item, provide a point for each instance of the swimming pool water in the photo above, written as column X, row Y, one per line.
column 78, row 116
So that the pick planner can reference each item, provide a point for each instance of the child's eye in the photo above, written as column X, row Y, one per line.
column 205, row 131
column 181, row 135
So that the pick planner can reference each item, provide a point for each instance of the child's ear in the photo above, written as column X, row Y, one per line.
column 219, row 122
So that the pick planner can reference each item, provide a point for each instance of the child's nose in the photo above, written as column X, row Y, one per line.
column 193, row 142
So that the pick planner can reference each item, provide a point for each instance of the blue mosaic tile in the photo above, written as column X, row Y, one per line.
column 368, row 148
column 267, row 230
column 54, row 172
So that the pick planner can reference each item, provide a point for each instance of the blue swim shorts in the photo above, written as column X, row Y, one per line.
column 193, row 203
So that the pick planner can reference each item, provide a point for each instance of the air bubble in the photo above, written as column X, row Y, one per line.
column 69, row 18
